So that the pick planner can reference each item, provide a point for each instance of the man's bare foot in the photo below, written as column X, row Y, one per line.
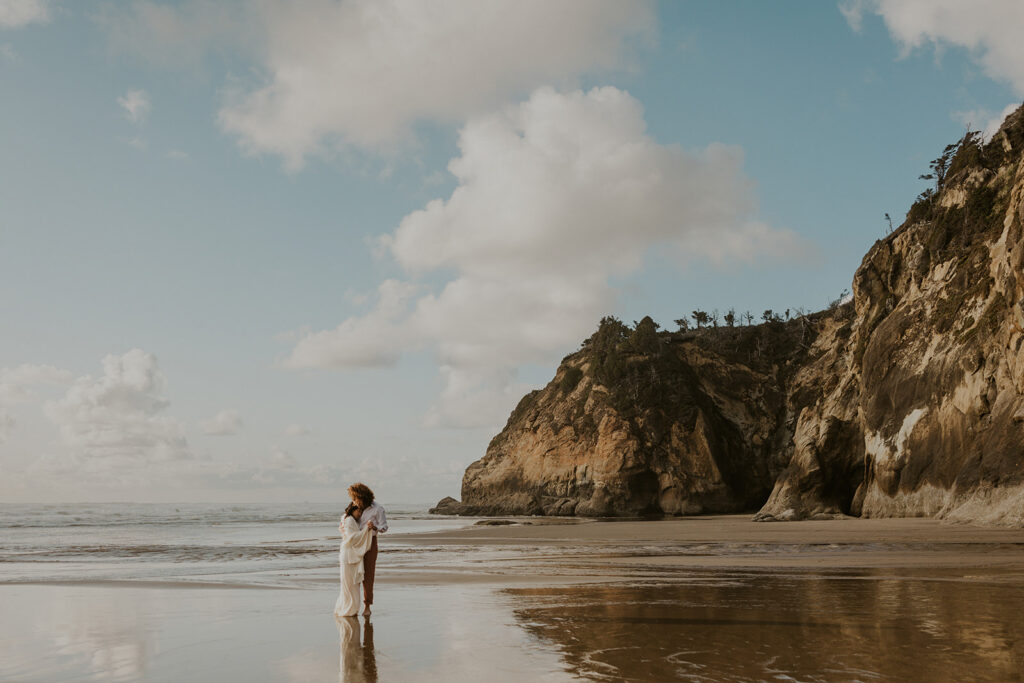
column 366, row 611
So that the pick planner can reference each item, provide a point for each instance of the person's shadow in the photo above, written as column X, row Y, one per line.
column 358, row 662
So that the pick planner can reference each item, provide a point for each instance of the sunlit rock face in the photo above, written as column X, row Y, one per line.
column 921, row 411
column 906, row 401
column 639, row 422
column 700, row 443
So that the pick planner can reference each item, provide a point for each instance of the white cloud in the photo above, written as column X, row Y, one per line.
column 374, row 340
column 363, row 72
column 121, row 444
column 16, row 383
column 136, row 105
column 120, row 479
column 853, row 12
column 985, row 121
column 989, row 29
column 117, row 416
column 281, row 469
column 474, row 396
column 555, row 197
column 19, row 13
column 17, row 386
column 224, row 423
column 295, row 429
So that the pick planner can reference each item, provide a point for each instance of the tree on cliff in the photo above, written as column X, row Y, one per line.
column 942, row 165
column 700, row 317
column 644, row 337
column 603, row 349
column 610, row 333
column 955, row 156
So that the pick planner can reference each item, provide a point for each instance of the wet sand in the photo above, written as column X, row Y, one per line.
column 729, row 529
column 596, row 549
column 702, row 599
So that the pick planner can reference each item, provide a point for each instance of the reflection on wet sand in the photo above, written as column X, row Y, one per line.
column 808, row 627
column 358, row 661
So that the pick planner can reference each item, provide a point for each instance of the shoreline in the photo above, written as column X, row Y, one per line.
column 581, row 551
column 726, row 528
column 734, row 541
column 562, row 601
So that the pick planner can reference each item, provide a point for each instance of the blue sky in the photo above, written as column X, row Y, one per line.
column 254, row 251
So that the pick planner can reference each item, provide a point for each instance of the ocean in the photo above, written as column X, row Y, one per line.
column 256, row 545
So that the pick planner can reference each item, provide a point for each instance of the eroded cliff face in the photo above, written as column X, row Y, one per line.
column 908, row 401
column 926, row 412
column 638, row 423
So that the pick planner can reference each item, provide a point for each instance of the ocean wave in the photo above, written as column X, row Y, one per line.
column 21, row 516
column 170, row 553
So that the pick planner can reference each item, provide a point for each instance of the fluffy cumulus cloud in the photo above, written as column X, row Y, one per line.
column 118, row 416
column 224, row 423
column 19, row 13
column 362, row 71
column 334, row 73
column 989, row 29
column 555, row 198
column 118, row 440
column 374, row 340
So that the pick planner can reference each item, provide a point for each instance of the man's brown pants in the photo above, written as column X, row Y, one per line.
column 369, row 568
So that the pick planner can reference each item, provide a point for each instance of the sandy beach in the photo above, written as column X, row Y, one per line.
column 706, row 598
column 735, row 541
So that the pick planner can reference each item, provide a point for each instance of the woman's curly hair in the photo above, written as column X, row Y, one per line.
column 362, row 494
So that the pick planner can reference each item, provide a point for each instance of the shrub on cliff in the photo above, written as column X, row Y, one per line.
column 603, row 350
column 644, row 337
column 570, row 379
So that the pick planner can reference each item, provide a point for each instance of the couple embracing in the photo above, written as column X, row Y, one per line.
column 359, row 527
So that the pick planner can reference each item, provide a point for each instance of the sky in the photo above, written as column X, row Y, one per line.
column 256, row 251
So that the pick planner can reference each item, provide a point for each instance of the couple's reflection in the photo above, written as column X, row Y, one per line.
column 358, row 662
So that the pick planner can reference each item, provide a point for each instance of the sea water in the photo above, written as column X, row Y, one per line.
column 266, row 544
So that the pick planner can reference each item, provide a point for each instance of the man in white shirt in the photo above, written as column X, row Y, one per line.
column 372, row 515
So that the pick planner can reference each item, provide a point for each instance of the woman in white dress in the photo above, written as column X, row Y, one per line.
column 354, row 544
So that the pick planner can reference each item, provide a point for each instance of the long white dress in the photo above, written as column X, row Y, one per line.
column 354, row 544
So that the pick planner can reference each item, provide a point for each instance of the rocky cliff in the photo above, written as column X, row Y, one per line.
column 906, row 401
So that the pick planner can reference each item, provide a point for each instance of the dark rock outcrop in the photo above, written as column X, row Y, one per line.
column 906, row 401
column 446, row 506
